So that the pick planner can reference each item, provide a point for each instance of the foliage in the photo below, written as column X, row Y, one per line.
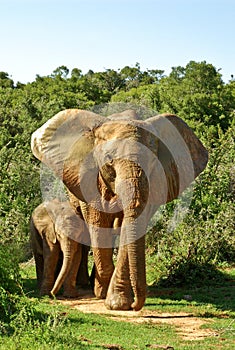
column 10, row 282
column 198, row 93
column 144, row 95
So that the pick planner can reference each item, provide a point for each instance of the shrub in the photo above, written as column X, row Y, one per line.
column 10, row 283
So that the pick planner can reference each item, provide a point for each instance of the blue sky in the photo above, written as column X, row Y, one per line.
column 37, row 36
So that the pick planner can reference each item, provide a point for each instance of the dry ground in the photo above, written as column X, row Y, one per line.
column 188, row 326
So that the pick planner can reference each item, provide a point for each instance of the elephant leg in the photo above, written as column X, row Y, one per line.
column 59, row 264
column 83, row 275
column 127, row 289
column 104, row 267
column 120, row 295
column 37, row 248
column 39, row 261
column 70, row 290
column 51, row 257
column 99, row 226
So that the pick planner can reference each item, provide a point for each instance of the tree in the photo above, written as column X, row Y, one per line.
column 61, row 71
column 143, row 95
column 197, row 92
column 131, row 75
column 6, row 81
column 76, row 73
column 110, row 80
column 155, row 75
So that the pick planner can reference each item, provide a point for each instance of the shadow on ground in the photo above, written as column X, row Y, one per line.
column 201, row 284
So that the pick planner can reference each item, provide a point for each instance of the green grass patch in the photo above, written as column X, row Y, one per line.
column 40, row 324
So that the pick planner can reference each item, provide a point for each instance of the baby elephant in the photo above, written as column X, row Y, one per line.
column 56, row 228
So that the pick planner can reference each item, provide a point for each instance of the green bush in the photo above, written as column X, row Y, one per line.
column 10, row 282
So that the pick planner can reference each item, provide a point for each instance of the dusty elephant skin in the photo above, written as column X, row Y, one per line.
column 53, row 226
column 120, row 166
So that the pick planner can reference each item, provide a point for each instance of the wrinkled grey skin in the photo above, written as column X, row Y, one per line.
column 51, row 227
column 119, row 164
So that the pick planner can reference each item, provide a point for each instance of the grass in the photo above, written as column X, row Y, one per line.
column 53, row 326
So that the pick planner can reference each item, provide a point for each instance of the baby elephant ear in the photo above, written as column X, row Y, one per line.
column 180, row 153
column 44, row 222
column 64, row 141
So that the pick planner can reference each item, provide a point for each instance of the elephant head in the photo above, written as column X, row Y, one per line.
column 143, row 164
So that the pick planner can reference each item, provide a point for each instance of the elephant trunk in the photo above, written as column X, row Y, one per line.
column 134, row 192
column 136, row 257
column 66, row 267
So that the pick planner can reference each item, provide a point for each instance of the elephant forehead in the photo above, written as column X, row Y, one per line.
column 70, row 221
column 115, row 129
column 122, row 129
column 67, row 222
column 128, row 114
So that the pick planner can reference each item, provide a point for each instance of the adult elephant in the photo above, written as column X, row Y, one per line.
column 55, row 228
column 120, row 165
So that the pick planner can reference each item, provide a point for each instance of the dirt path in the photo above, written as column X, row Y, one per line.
column 187, row 326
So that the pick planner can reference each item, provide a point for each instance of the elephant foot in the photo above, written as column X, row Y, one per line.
column 138, row 303
column 71, row 293
column 121, row 302
column 119, row 296
column 118, row 301
column 45, row 291
column 100, row 291
column 101, row 286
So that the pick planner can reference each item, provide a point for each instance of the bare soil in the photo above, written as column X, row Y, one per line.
column 187, row 326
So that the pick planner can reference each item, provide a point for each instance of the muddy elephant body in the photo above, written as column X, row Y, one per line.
column 55, row 231
column 120, row 167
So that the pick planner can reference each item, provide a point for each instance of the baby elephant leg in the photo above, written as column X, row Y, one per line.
column 83, row 280
column 51, row 257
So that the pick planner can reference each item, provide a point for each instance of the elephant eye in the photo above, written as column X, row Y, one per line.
column 108, row 171
column 108, row 159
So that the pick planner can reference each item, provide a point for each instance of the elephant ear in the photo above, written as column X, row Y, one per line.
column 180, row 153
column 51, row 233
column 63, row 143
column 44, row 223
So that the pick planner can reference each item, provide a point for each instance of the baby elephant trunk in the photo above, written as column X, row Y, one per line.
column 69, row 249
